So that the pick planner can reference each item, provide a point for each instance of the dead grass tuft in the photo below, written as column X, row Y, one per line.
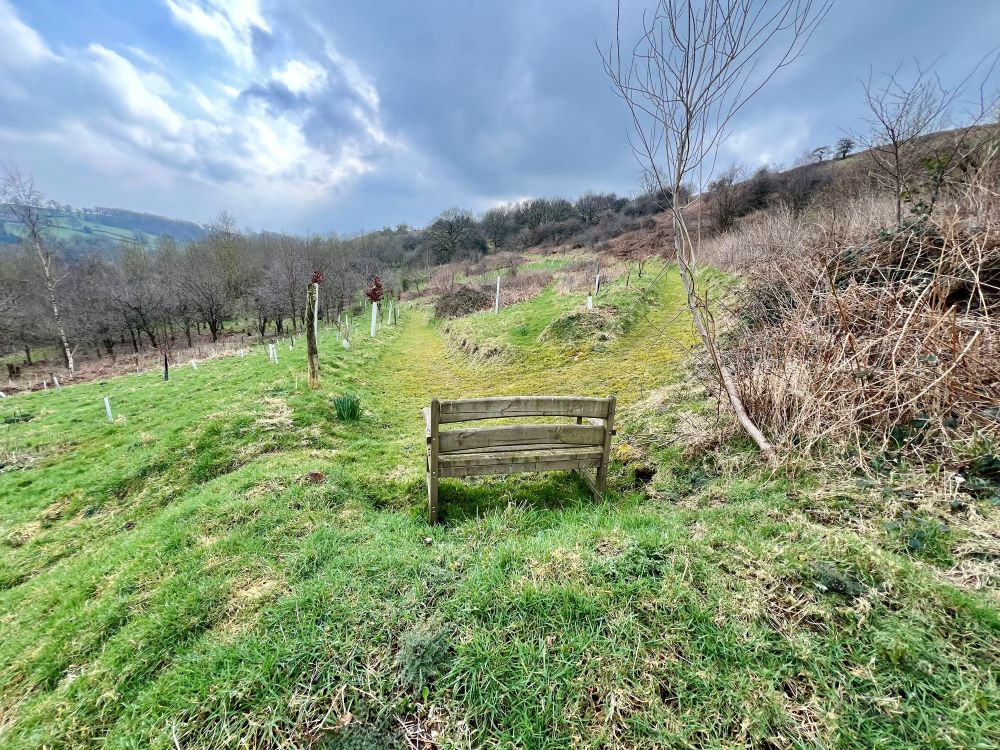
column 278, row 416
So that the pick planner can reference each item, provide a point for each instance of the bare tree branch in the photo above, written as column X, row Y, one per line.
column 695, row 67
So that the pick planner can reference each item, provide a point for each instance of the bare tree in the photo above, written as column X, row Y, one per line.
column 452, row 234
column 497, row 226
column 903, row 112
column 725, row 197
column 591, row 205
column 819, row 154
column 24, row 204
column 695, row 66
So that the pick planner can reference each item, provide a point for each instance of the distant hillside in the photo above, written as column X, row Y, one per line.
column 104, row 229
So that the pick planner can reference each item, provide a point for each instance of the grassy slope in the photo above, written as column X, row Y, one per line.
column 176, row 574
column 63, row 230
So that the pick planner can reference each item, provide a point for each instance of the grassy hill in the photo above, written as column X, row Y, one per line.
column 103, row 229
column 228, row 565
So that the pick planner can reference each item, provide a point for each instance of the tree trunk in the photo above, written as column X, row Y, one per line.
column 50, row 287
column 213, row 326
column 687, row 270
column 27, row 355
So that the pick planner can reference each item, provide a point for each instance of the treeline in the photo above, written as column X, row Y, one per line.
column 166, row 293
column 163, row 296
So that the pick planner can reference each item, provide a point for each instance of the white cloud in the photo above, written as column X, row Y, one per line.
column 776, row 139
column 301, row 77
column 125, row 117
column 139, row 93
column 230, row 23
column 22, row 46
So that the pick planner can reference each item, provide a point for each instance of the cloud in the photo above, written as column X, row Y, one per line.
column 777, row 138
column 236, row 25
column 301, row 77
column 22, row 46
column 302, row 128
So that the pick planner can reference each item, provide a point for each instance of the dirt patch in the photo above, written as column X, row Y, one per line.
column 34, row 377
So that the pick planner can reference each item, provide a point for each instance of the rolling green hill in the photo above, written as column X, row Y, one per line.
column 103, row 229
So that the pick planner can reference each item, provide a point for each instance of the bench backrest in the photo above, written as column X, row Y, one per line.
column 594, row 411
column 471, row 409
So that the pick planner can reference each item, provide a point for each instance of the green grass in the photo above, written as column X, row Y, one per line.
column 66, row 228
column 230, row 565
column 547, row 329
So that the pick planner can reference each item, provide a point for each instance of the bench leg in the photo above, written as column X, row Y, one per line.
column 602, row 479
column 432, row 492
column 582, row 473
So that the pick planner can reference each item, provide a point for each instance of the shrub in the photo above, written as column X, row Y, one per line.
column 464, row 301
column 348, row 407
column 856, row 339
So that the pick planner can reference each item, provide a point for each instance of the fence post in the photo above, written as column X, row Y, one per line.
column 312, row 300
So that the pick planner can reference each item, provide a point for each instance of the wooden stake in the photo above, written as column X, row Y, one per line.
column 312, row 305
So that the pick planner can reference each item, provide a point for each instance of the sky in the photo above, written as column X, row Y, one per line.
column 314, row 116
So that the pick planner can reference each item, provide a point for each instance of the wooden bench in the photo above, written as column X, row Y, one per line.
column 505, row 449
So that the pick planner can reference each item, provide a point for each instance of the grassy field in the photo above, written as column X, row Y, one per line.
column 228, row 565
column 73, row 229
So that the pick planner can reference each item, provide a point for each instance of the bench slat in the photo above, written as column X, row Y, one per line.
column 518, row 461
column 527, row 435
column 508, row 448
column 467, row 410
